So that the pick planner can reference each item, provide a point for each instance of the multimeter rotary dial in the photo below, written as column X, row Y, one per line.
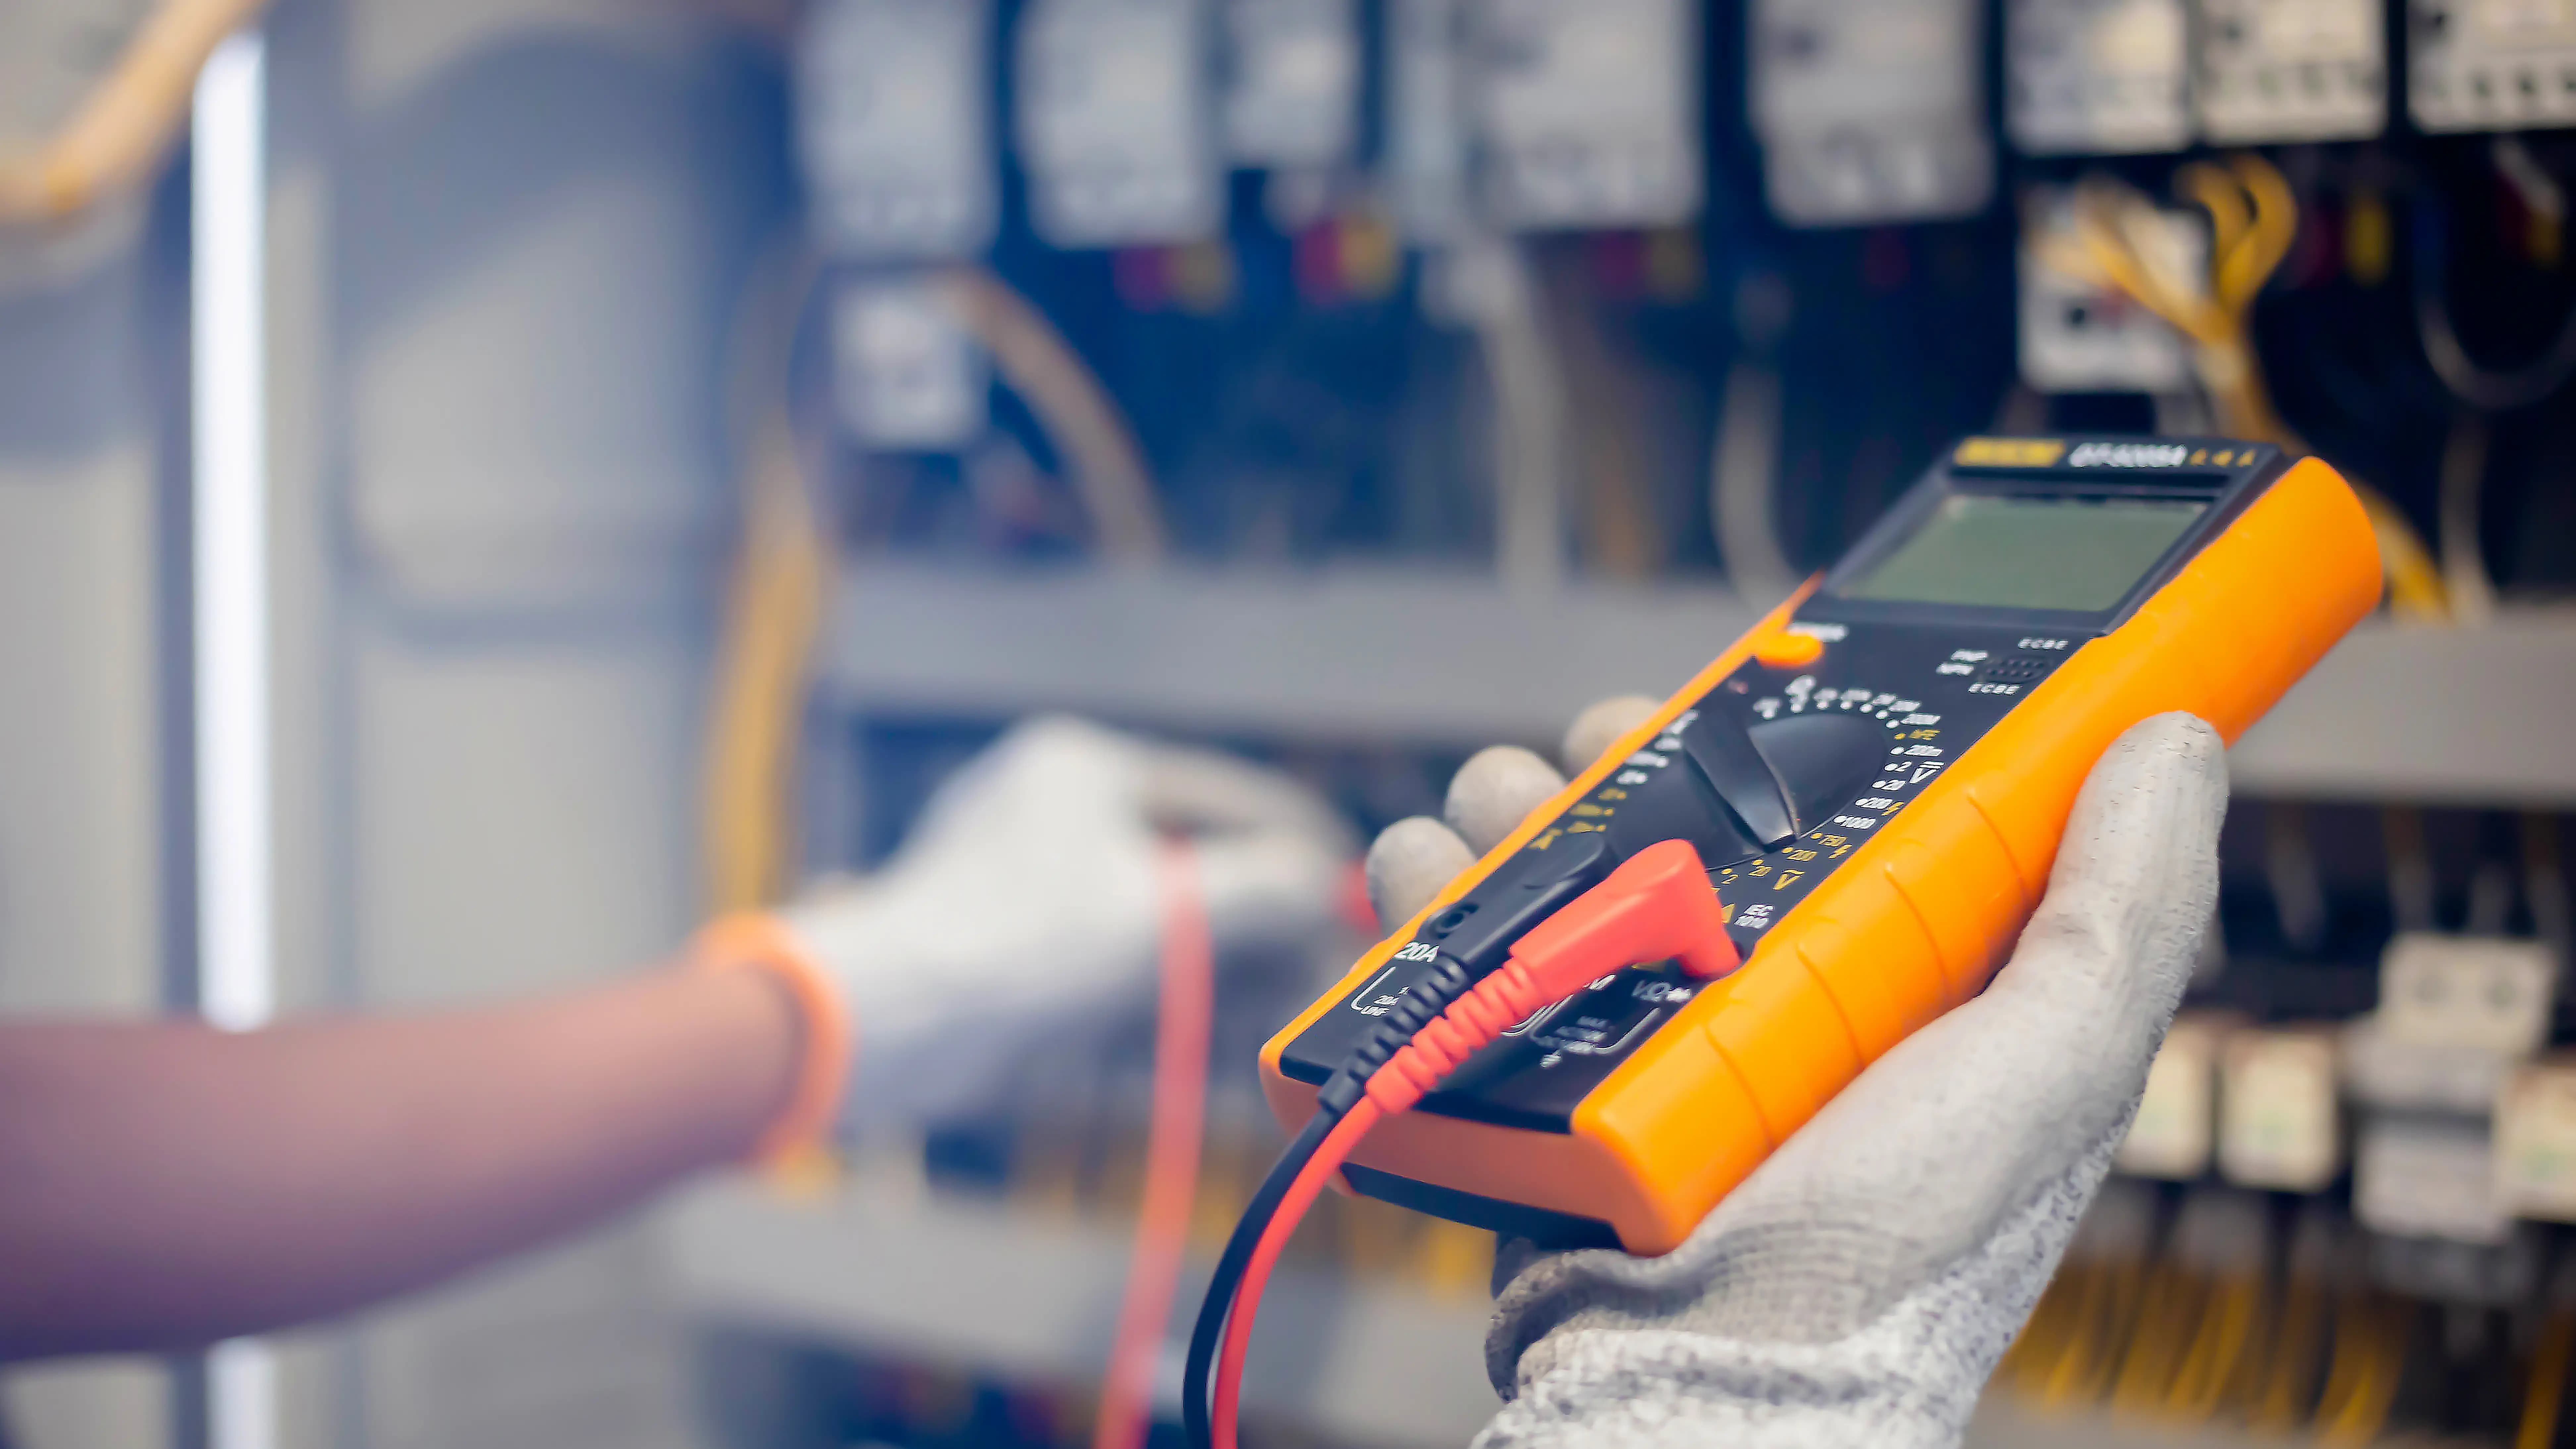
column 1739, row 778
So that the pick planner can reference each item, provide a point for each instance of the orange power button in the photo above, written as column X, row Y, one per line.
column 1785, row 650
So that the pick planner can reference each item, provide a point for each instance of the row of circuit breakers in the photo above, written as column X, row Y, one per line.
column 1525, row 115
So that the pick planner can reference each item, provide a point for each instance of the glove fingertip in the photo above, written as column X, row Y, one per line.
column 1494, row 790
column 1408, row 863
column 1599, row 727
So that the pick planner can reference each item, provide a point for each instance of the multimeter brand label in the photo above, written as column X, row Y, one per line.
column 2129, row 455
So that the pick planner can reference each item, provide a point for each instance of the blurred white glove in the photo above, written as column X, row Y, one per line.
column 1027, row 903
column 1858, row 1288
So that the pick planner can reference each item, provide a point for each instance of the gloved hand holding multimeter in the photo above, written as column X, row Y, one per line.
column 1594, row 1033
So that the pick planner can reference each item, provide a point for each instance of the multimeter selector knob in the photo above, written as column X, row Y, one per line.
column 1751, row 793
column 1825, row 759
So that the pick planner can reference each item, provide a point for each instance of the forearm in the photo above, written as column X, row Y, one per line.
column 168, row 1184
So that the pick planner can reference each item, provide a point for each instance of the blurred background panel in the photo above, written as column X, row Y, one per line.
column 681, row 432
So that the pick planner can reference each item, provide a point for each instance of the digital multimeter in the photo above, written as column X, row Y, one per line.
column 1876, row 779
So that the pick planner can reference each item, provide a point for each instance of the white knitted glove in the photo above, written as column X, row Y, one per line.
column 1858, row 1288
column 1027, row 903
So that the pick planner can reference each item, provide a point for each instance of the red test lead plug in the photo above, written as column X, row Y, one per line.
column 1657, row 906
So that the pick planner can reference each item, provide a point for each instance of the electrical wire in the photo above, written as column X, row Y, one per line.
column 781, row 575
column 1318, row 1170
column 2464, row 569
column 1744, row 454
column 2361, row 1379
column 784, row 564
column 2281, row 1396
column 2169, row 1306
column 2120, row 239
column 1655, row 906
column 1605, row 396
column 1489, row 286
column 1081, row 420
column 2545, row 1391
column 1207, row 1334
column 1743, row 474
column 2214, row 1362
column 1182, row 1026
column 2487, row 390
column 121, row 129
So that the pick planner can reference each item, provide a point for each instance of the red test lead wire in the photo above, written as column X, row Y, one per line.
column 1181, row 1031
column 1656, row 906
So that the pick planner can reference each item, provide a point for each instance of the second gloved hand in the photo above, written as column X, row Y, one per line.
column 1028, row 901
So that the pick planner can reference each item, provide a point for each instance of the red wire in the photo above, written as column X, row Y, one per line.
column 1656, row 905
column 1329, row 1156
column 1181, row 1030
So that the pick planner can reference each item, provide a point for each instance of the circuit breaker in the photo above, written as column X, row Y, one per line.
column 2291, row 70
column 2097, row 77
column 1293, row 71
column 2491, row 65
column 1115, row 123
column 894, row 104
column 1587, row 112
column 1871, row 110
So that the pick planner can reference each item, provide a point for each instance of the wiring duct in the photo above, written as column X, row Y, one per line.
column 118, row 132
column 2115, row 242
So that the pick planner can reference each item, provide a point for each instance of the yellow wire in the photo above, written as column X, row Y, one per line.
column 2215, row 1361
column 776, row 607
column 2053, row 1324
column 2361, row 1381
column 781, row 572
column 2547, row 1388
column 2254, row 220
column 2084, row 1370
column 784, row 565
column 2290, row 1374
column 120, row 129
column 2171, row 1305
column 1081, row 420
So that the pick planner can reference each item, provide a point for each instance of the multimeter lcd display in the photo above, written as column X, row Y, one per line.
column 2017, row 552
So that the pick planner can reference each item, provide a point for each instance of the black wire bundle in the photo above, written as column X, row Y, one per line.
column 2479, row 387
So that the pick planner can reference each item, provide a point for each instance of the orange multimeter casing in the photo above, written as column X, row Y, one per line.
column 1879, row 815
